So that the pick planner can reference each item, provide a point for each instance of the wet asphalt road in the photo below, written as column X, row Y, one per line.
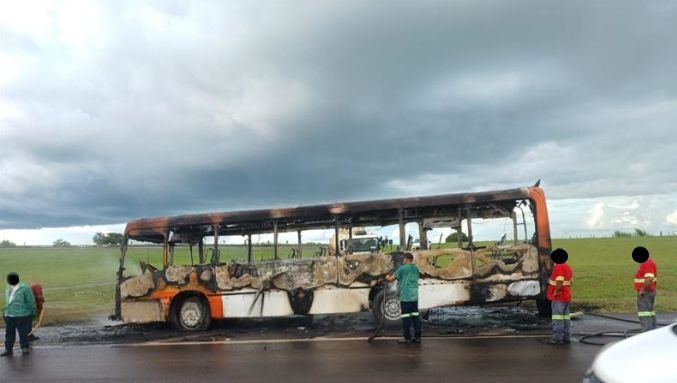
column 494, row 359
column 460, row 345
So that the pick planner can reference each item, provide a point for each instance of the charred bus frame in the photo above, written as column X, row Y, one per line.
column 191, row 295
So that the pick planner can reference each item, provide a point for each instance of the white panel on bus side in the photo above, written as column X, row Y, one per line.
column 524, row 288
column 340, row 300
column 275, row 303
column 435, row 293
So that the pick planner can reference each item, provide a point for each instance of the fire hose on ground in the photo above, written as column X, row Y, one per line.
column 611, row 334
column 41, row 317
column 379, row 327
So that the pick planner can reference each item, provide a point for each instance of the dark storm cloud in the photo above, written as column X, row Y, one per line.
column 184, row 107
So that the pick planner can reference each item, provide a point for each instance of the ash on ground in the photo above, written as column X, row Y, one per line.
column 444, row 321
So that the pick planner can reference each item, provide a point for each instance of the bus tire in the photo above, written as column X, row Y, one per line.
column 192, row 314
column 544, row 308
column 388, row 311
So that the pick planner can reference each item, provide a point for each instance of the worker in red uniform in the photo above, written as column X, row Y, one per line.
column 559, row 293
column 645, row 285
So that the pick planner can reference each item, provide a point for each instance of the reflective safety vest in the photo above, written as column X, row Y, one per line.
column 646, row 270
column 561, row 272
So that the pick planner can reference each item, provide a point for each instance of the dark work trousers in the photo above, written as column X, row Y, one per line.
column 410, row 316
column 645, row 310
column 14, row 324
column 561, row 323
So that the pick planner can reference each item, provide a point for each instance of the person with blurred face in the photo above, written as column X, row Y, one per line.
column 559, row 293
column 407, row 276
column 645, row 285
column 18, row 314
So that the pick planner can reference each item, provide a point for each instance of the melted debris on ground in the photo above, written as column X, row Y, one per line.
column 444, row 321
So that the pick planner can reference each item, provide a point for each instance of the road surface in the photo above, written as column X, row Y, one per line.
column 460, row 345
column 460, row 359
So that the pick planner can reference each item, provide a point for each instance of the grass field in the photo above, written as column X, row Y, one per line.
column 604, row 271
column 79, row 282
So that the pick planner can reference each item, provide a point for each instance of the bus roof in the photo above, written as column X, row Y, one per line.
column 191, row 228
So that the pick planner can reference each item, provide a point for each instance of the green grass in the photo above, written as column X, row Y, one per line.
column 79, row 282
column 63, row 272
column 604, row 271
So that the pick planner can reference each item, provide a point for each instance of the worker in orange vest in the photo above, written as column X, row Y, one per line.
column 559, row 293
column 645, row 282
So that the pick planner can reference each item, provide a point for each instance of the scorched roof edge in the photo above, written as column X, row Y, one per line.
column 158, row 224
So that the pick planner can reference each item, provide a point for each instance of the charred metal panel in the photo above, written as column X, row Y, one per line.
column 341, row 283
column 301, row 300
column 515, row 262
column 524, row 288
column 324, row 269
column 487, row 292
column 364, row 213
column 249, row 303
column 436, row 293
column 226, row 280
column 309, row 285
column 142, row 312
column 446, row 264
column 137, row 286
column 336, row 300
column 506, row 262
column 363, row 267
column 178, row 274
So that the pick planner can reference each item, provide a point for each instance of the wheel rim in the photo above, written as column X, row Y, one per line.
column 391, row 309
column 191, row 314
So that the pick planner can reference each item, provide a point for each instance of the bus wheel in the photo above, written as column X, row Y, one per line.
column 389, row 310
column 193, row 314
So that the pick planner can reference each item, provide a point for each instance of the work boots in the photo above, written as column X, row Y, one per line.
column 24, row 351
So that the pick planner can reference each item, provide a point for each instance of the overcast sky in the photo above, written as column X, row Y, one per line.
column 111, row 111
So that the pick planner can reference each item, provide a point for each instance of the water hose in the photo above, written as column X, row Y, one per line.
column 383, row 314
column 37, row 325
column 612, row 334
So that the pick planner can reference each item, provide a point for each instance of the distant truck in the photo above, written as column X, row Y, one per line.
column 360, row 242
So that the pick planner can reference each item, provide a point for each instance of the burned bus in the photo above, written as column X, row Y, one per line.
column 192, row 282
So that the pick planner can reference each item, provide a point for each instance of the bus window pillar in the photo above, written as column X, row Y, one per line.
column 403, row 232
column 300, row 244
column 190, row 249
column 171, row 253
column 422, row 235
column 201, row 251
column 275, row 239
column 249, row 249
column 121, row 270
column 459, row 230
column 215, row 255
column 337, row 251
column 514, row 227
column 469, row 221
column 524, row 219
column 349, row 246
column 165, row 249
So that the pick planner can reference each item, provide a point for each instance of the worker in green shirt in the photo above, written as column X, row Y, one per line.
column 407, row 276
column 18, row 313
